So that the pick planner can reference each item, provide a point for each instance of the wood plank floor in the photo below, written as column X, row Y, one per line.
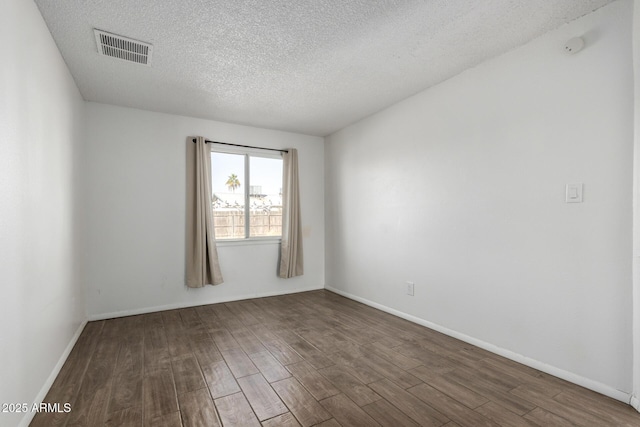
column 308, row 359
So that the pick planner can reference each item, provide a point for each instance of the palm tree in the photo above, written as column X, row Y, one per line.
column 233, row 182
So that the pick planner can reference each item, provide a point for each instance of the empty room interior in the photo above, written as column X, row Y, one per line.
column 331, row 213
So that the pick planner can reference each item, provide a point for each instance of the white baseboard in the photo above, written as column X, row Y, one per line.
column 28, row 417
column 187, row 304
column 635, row 403
column 541, row 366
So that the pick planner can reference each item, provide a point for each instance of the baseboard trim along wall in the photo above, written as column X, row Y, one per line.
column 133, row 312
column 28, row 417
column 635, row 402
column 549, row 369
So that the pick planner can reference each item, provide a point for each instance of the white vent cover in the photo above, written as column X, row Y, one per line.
column 123, row 48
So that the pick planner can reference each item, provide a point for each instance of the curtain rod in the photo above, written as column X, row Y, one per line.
column 239, row 145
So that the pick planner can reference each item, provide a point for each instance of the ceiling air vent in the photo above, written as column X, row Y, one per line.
column 123, row 48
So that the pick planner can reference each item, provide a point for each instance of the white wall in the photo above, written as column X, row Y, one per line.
column 461, row 190
column 41, row 126
column 636, row 209
column 135, row 214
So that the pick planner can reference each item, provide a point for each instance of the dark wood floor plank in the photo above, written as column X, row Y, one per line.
column 159, row 394
column 281, row 351
column 264, row 401
column 358, row 335
column 265, row 333
column 449, row 407
column 542, row 418
column 93, row 397
column 239, row 362
column 308, row 327
column 197, row 409
column 311, row 354
column 187, row 375
column 346, row 412
column 66, row 385
column 465, row 357
column 612, row 411
column 573, row 414
column 390, row 371
column 126, row 392
column 206, row 351
column 329, row 423
column 172, row 368
column 437, row 342
column 178, row 345
column 354, row 350
column 346, row 321
column 457, row 391
column 172, row 323
column 491, row 391
column 91, row 406
column 325, row 342
column 503, row 416
column 319, row 387
column 398, row 359
column 133, row 328
column 130, row 359
column 190, row 318
column 226, row 317
column 430, row 373
column 305, row 408
column 387, row 327
column 113, row 329
column 349, row 385
column 518, row 368
column 220, row 379
column 156, row 348
column 509, row 381
column 152, row 320
column 369, row 334
column 388, row 415
column 130, row 417
column 257, row 312
column 270, row 368
column 434, row 362
column 245, row 316
column 155, row 337
column 284, row 420
column 167, row 420
column 208, row 317
column 523, row 376
column 288, row 335
column 247, row 341
column 156, row 360
column 223, row 339
column 234, row 410
column 364, row 374
column 413, row 407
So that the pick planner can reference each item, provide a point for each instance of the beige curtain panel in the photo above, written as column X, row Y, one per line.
column 291, row 262
column 202, row 256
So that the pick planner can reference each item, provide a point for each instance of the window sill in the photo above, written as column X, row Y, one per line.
column 249, row 242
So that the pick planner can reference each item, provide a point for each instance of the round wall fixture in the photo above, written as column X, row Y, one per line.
column 574, row 45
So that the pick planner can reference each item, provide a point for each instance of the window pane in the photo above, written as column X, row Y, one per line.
column 227, row 176
column 265, row 194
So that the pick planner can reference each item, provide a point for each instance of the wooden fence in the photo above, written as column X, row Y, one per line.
column 230, row 224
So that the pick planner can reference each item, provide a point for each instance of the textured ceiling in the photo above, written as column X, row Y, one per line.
column 309, row 66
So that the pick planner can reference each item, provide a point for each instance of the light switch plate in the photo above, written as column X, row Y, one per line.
column 574, row 193
column 410, row 287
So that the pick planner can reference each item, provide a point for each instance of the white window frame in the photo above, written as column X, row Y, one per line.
column 247, row 152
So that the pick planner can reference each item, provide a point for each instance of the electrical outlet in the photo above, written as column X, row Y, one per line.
column 410, row 286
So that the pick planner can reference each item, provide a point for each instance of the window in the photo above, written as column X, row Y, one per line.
column 247, row 193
